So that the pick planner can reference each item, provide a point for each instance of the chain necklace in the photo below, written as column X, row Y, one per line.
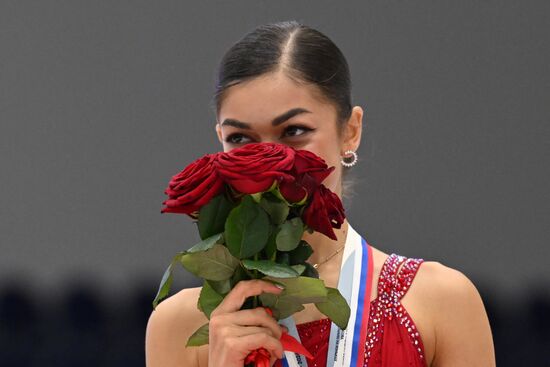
column 328, row 258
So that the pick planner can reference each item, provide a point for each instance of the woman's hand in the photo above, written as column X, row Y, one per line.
column 234, row 333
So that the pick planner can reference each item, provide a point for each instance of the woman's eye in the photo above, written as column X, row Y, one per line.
column 235, row 138
column 293, row 128
column 290, row 131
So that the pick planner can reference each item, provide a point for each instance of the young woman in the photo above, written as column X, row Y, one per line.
column 290, row 84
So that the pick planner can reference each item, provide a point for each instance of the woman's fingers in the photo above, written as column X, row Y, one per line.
column 257, row 317
column 235, row 332
column 234, row 300
column 243, row 322
column 249, row 330
column 254, row 341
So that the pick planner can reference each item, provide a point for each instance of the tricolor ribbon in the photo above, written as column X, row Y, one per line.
column 346, row 347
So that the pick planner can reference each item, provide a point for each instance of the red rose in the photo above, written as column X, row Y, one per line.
column 254, row 167
column 259, row 358
column 309, row 171
column 193, row 187
column 324, row 212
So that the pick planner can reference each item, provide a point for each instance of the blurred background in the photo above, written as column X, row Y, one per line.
column 101, row 102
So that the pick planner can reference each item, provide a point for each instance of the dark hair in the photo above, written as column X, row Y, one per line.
column 304, row 54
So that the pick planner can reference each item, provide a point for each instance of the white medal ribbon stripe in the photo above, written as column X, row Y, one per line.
column 341, row 341
column 337, row 341
column 292, row 359
column 341, row 344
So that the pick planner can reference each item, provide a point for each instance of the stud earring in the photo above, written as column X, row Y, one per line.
column 349, row 164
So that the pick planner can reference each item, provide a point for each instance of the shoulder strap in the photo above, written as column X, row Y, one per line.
column 397, row 274
column 387, row 280
column 406, row 275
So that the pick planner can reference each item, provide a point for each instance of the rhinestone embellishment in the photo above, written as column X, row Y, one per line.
column 387, row 305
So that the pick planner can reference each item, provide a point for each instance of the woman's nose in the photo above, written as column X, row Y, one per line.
column 267, row 140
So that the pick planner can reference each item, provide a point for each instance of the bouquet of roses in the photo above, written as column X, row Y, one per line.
column 252, row 206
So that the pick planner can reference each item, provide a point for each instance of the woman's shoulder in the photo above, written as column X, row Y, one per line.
column 427, row 285
column 444, row 284
column 184, row 298
column 170, row 324
column 444, row 304
column 456, row 313
column 434, row 279
column 441, row 287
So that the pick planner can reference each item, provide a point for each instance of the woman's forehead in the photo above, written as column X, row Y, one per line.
column 265, row 98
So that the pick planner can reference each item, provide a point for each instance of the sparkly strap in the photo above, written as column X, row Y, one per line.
column 396, row 284
column 406, row 275
column 393, row 283
column 387, row 280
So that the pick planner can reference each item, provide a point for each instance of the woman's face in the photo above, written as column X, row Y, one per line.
column 273, row 108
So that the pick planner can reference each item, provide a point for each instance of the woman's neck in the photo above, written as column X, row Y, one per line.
column 323, row 247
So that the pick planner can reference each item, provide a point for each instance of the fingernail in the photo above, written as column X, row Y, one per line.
column 280, row 286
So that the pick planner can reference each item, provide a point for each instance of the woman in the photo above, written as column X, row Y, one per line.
column 290, row 84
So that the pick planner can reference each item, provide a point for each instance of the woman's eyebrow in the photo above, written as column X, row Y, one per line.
column 276, row 121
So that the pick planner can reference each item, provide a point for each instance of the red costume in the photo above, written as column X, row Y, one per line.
column 392, row 337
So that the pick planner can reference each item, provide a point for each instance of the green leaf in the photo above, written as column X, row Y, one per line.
column 199, row 337
column 270, row 268
column 298, row 291
column 282, row 307
column 166, row 281
column 240, row 274
column 290, row 234
column 277, row 209
column 207, row 243
column 212, row 216
column 301, row 253
column 213, row 264
column 304, row 289
column 335, row 308
column 246, row 229
column 299, row 268
column 221, row 286
column 283, row 257
column 209, row 299
column 270, row 248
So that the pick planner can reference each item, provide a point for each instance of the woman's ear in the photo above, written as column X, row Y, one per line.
column 219, row 133
column 352, row 133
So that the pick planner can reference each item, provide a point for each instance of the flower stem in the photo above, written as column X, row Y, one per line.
column 255, row 300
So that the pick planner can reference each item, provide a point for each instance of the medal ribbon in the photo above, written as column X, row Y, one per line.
column 346, row 347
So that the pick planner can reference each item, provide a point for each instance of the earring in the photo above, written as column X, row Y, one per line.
column 349, row 164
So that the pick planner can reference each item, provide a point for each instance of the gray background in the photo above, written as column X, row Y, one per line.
column 102, row 102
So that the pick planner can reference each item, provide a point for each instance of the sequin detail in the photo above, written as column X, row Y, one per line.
column 314, row 336
column 387, row 305
column 385, row 309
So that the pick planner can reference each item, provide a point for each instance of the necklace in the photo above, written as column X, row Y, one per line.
column 328, row 258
